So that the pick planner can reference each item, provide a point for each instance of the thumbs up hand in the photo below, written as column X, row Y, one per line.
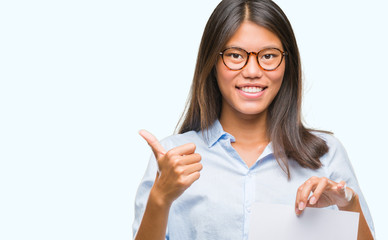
column 177, row 169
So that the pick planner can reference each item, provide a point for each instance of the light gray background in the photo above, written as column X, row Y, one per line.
column 79, row 78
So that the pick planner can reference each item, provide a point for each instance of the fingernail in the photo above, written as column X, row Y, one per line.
column 301, row 206
column 313, row 200
column 297, row 211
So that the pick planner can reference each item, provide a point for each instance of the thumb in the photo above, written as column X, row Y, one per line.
column 347, row 192
column 155, row 145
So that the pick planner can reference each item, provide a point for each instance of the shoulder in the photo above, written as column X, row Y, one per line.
column 332, row 142
column 337, row 155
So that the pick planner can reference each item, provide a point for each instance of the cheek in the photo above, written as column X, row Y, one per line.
column 224, row 76
column 276, row 77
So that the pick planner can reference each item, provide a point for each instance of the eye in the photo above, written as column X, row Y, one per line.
column 234, row 55
column 268, row 56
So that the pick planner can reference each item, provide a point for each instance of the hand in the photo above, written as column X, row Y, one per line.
column 177, row 168
column 325, row 192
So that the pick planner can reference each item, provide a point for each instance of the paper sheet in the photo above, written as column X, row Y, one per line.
column 279, row 222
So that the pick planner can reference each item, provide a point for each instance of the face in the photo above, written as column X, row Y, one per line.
column 249, row 92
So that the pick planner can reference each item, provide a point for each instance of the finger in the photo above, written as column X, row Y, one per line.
column 192, row 178
column 186, row 149
column 192, row 168
column 303, row 193
column 190, row 159
column 341, row 186
column 297, row 211
column 155, row 145
column 323, row 184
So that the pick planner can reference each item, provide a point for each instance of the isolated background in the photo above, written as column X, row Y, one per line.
column 79, row 78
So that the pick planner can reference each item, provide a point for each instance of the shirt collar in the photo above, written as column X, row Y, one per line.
column 215, row 133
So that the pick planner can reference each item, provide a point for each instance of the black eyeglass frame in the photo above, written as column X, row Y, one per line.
column 257, row 58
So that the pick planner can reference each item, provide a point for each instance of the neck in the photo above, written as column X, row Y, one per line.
column 250, row 130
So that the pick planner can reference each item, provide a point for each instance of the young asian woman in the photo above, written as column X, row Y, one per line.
column 241, row 139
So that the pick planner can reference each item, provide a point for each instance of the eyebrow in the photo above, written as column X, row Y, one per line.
column 265, row 47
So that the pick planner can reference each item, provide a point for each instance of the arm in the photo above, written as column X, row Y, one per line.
column 154, row 222
column 177, row 170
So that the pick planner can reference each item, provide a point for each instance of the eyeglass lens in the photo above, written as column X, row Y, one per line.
column 269, row 59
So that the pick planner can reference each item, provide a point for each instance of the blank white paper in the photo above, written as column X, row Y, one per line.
column 279, row 222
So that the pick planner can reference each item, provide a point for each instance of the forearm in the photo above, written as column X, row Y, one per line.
column 177, row 170
column 364, row 232
column 154, row 223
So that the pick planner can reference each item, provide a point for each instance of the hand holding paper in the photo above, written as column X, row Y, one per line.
column 325, row 192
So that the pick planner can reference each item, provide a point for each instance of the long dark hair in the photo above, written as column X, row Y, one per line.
column 289, row 137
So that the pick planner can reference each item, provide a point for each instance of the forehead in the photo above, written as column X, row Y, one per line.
column 253, row 37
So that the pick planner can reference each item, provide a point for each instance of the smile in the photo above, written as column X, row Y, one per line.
column 251, row 89
column 251, row 92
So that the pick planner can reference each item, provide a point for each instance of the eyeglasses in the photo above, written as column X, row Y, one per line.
column 268, row 59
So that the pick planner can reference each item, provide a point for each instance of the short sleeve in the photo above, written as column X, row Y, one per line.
column 143, row 192
column 339, row 168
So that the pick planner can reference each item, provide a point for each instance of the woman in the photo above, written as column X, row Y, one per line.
column 242, row 140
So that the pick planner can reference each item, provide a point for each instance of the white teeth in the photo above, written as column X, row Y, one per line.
column 251, row 89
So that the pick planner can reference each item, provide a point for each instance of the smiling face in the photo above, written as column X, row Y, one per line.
column 247, row 93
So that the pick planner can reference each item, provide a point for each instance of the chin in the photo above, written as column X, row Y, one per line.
column 253, row 112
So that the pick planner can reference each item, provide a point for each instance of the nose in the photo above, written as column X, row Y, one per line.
column 252, row 69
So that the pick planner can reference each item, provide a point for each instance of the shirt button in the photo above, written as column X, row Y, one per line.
column 249, row 209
